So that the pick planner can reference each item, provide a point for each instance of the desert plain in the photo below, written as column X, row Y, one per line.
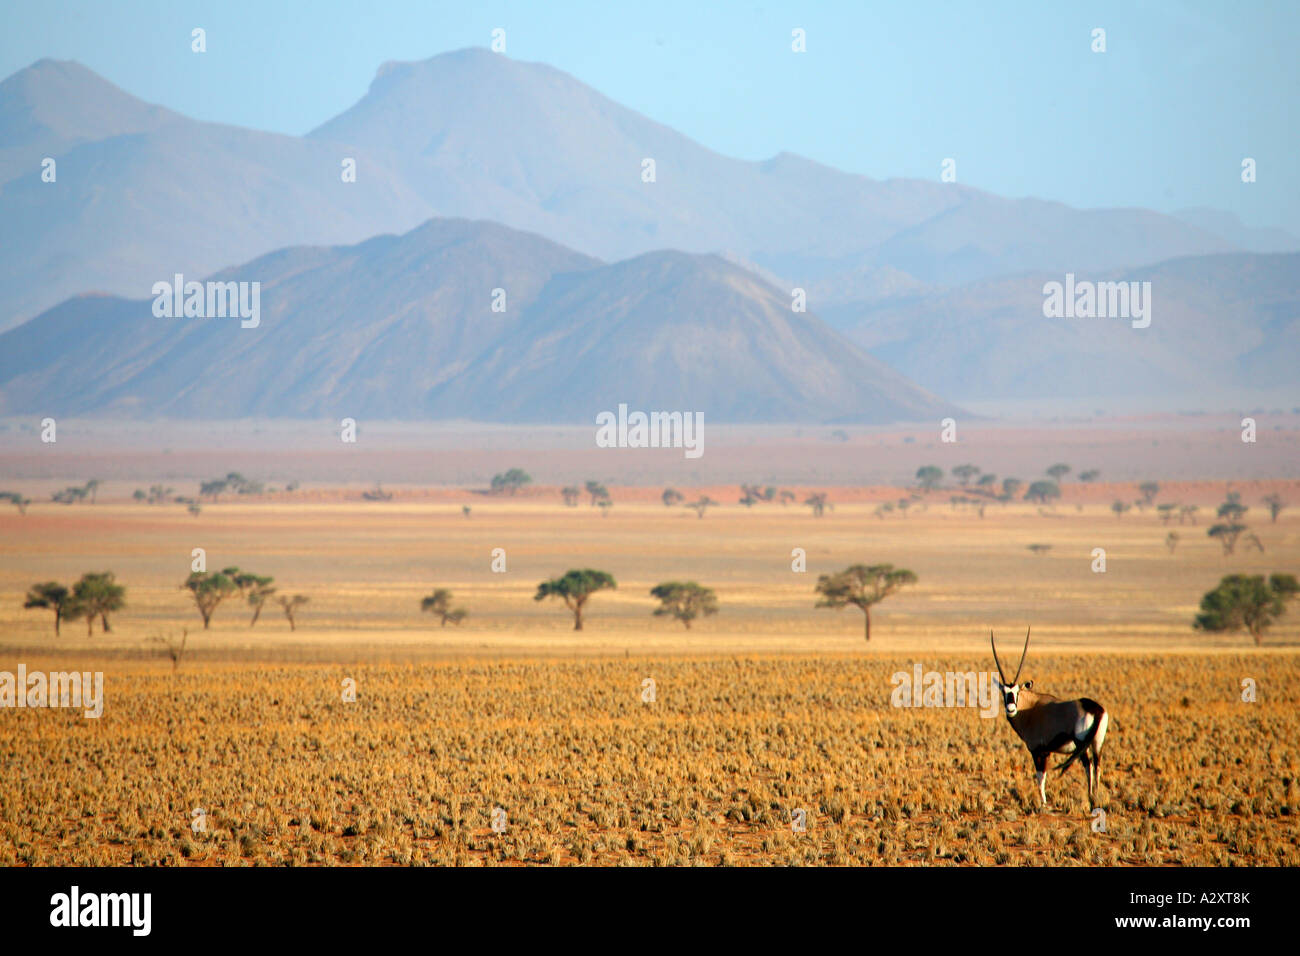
column 769, row 735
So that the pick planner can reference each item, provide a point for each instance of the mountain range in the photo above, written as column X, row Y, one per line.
column 403, row 327
column 676, row 291
column 142, row 192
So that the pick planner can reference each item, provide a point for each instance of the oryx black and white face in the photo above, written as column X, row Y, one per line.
column 1011, row 696
column 1011, row 691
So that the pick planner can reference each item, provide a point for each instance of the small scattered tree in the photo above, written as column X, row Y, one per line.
column 258, row 594
column 862, row 586
column 1040, row 548
column 209, row 589
column 672, row 496
column 571, row 494
column 1171, row 541
column 598, row 492
column 16, row 499
column 787, row 496
column 1167, row 512
column 703, row 503
column 1247, row 601
column 1149, row 490
column 1043, row 492
column 510, row 481
column 69, row 495
column 1232, row 509
column 987, row 481
column 290, row 606
column 171, row 647
column 1119, row 507
column 52, row 596
column 439, row 605
column 964, row 473
column 575, row 588
column 1010, row 487
column 817, row 502
column 1227, row 534
column 1058, row 471
column 1089, row 476
column 1188, row 513
column 1275, row 505
column 96, row 595
column 684, row 600
column 929, row 476
column 212, row 489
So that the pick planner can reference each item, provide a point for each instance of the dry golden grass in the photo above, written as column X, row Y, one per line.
column 770, row 707
column 710, row 773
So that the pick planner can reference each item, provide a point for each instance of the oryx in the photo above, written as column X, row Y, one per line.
column 1050, row 725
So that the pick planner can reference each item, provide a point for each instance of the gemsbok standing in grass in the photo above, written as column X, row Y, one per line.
column 1049, row 725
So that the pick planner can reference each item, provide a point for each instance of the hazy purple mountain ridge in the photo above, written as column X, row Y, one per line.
column 403, row 327
column 142, row 192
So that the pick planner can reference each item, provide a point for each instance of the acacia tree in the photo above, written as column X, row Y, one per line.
column 1149, row 490
column 964, row 473
column 1043, row 492
column 684, row 600
column 257, row 596
column 1227, row 535
column 209, row 588
column 1243, row 600
column 701, row 505
column 212, row 489
column 575, row 588
column 598, row 492
column 571, row 494
column 95, row 595
column 290, row 606
column 1232, row 509
column 17, row 500
column 1090, row 475
column 249, row 584
column 439, row 604
column 510, row 481
column 50, row 595
column 1009, row 487
column 929, row 476
column 817, row 501
column 1119, row 508
column 862, row 586
column 672, row 496
column 1275, row 505
column 1058, row 471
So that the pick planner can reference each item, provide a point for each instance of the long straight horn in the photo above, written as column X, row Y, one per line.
column 995, row 657
column 1022, row 658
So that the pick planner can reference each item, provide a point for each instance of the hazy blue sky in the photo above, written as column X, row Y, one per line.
column 1012, row 91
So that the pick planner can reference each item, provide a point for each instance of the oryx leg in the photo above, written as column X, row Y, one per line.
column 1040, row 771
column 1087, row 773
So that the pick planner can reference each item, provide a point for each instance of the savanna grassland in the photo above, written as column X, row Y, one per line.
column 770, row 708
